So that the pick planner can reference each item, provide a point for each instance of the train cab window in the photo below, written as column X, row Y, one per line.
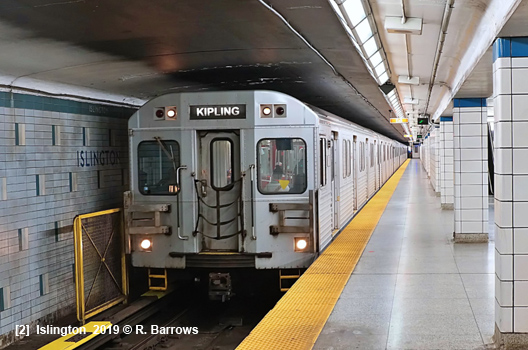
column 157, row 164
column 281, row 166
column 221, row 163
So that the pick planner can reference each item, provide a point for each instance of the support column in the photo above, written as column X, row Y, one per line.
column 447, row 192
column 510, row 96
column 471, row 169
column 435, row 158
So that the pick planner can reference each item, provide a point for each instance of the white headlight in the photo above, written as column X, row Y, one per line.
column 301, row 244
column 146, row 244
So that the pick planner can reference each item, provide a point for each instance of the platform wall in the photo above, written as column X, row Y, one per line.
column 48, row 175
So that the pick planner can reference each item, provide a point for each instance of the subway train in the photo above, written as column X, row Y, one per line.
column 255, row 180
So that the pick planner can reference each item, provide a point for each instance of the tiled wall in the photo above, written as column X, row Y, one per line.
column 44, row 184
column 471, row 169
column 447, row 192
column 510, row 92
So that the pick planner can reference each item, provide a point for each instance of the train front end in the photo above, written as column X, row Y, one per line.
column 221, row 182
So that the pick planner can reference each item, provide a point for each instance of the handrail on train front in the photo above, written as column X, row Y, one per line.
column 178, row 171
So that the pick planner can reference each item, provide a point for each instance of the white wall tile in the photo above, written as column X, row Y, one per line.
column 520, row 134
column 520, row 319
column 502, row 62
column 470, row 130
column 519, row 77
column 520, row 163
column 520, row 293
column 520, row 263
column 520, row 184
column 520, row 214
column 503, row 187
column 503, row 213
column 515, row 62
column 504, row 240
column 504, row 266
column 504, row 292
column 503, row 161
column 502, row 82
column 503, row 318
column 520, row 239
column 503, row 135
column 519, row 111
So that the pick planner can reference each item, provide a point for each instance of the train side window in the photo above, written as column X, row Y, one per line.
column 221, row 163
column 346, row 157
column 157, row 164
column 322, row 161
column 281, row 166
column 349, row 169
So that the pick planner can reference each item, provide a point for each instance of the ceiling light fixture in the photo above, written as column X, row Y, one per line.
column 357, row 18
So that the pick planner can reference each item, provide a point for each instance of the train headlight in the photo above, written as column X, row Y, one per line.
column 146, row 244
column 301, row 244
column 171, row 113
column 266, row 111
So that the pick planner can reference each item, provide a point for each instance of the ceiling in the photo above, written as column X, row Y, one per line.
column 125, row 51
column 465, row 60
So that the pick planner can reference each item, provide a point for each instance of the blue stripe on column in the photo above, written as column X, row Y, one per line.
column 501, row 48
column 469, row 102
column 519, row 47
column 510, row 47
column 446, row 119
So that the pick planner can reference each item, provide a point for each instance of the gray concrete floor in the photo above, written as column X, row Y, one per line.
column 413, row 288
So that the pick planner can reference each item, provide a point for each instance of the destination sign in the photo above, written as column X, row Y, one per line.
column 218, row 112
column 399, row 120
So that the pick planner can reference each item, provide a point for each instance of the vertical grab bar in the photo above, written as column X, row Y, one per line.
column 252, row 171
column 183, row 238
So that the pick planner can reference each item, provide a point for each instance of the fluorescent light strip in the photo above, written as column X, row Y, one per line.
column 359, row 24
column 355, row 11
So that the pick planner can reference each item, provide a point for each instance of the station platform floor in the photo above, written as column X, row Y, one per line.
column 413, row 288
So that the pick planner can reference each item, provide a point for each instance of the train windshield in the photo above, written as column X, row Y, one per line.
column 281, row 166
column 157, row 164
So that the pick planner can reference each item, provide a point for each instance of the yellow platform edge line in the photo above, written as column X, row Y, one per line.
column 299, row 317
column 93, row 329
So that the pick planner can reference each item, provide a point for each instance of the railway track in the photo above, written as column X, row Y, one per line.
column 203, row 325
column 185, row 320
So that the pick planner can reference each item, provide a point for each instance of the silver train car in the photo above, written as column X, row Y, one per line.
column 245, row 179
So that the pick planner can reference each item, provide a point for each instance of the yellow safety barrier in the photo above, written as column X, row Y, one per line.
column 100, row 256
column 299, row 317
column 74, row 340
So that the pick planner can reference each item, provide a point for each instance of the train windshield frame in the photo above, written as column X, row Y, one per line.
column 158, row 162
column 281, row 166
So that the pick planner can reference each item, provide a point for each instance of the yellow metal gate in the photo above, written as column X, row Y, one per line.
column 100, row 266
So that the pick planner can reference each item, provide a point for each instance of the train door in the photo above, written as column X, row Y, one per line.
column 335, row 180
column 367, row 167
column 219, row 187
column 375, row 162
column 355, row 171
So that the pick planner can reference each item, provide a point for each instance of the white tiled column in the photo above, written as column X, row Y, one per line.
column 446, row 163
column 471, row 169
column 435, row 158
column 510, row 93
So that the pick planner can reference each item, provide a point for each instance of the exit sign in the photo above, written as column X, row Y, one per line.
column 418, row 136
column 423, row 121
